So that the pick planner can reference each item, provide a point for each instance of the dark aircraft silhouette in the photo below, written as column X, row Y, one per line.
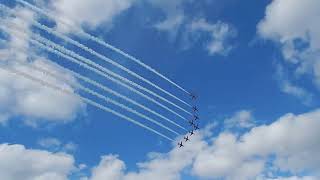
column 186, row 138
column 193, row 96
column 195, row 109
column 196, row 127
column 191, row 133
column 191, row 123
column 180, row 144
column 195, row 117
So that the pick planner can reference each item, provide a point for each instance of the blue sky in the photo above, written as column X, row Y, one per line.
column 254, row 65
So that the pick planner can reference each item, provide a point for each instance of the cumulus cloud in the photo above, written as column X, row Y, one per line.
column 295, row 178
column 220, row 34
column 289, row 145
column 158, row 167
column 91, row 13
column 21, row 97
column 294, row 25
column 292, row 178
column 17, row 162
column 36, row 103
column 110, row 167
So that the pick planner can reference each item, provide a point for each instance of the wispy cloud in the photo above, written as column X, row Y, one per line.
column 286, row 86
column 55, row 145
column 220, row 36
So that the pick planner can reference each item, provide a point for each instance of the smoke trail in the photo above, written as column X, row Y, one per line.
column 67, row 39
column 106, row 99
column 102, row 57
column 83, row 64
column 100, row 68
column 108, row 90
column 106, row 45
column 88, row 101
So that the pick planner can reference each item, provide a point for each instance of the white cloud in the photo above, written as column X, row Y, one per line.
column 49, row 142
column 294, row 25
column 92, row 13
column 173, row 12
column 110, row 167
column 35, row 102
column 292, row 141
column 54, row 144
column 220, row 34
column 21, row 97
column 241, row 119
column 17, row 162
column 286, row 86
column 293, row 178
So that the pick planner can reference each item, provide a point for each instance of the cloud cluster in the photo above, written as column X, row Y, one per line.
column 220, row 35
column 288, row 87
column 55, row 145
column 174, row 15
column 294, row 25
column 21, row 97
column 91, row 13
column 290, row 145
column 17, row 162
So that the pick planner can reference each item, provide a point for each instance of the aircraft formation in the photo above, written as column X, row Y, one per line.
column 193, row 122
column 151, row 107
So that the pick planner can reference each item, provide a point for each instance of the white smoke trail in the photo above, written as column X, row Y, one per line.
column 108, row 90
column 82, row 62
column 88, row 101
column 102, row 57
column 67, row 39
column 100, row 68
column 103, row 43
column 106, row 99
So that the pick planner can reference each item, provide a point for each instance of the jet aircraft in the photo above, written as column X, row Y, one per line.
column 186, row 138
column 195, row 109
column 180, row 145
column 191, row 133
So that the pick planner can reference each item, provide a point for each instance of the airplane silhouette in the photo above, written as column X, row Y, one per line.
column 180, row 144
column 195, row 117
column 191, row 123
column 186, row 138
column 193, row 96
column 195, row 109
column 196, row 127
column 191, row 133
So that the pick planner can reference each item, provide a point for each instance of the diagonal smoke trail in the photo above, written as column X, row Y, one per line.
column 67, row 39
column 88, row 101
column 71, row 41
column 102, row 57
column 98, row 67
column 108, row 90
column 40, row 42
column 106, row 45
column 106, row 99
